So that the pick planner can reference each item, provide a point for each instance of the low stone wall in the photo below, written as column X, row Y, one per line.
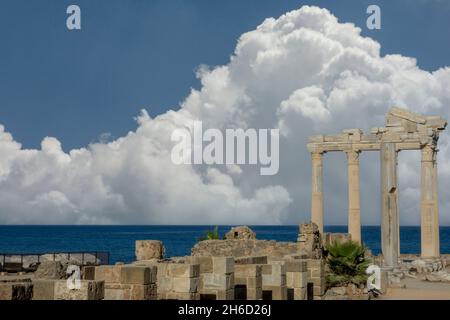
column 316, row 275
column 125, row 282
column 178, row 281
column 242, row 248
column 50, row 289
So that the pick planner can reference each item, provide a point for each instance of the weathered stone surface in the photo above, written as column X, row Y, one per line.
column 213, row 281
column 130, row 292
column 300, row 293
column 88, row 273
column 183, row 270
column 316, row 275
column 251, row 260
column 241, row 233
column 250, row 270
column 223, row 265
column 149, row 249
column 310, row 240
column 205, row 263
column 296, row 279
column 185, row 284
column 51, row 270
column 108, row 273
column 90, row 290
column 179, row 296
column 44, row 289
column 65, row 258
column 16, row 290
column 225, row 295
column 440, row 276
column 254, row 293
column 135, row 275
column 279, row 292
column 295, row 265
column 245, row 248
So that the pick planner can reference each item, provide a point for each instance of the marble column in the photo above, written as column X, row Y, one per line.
column 389, row 205
column 354, row 211
column 429, row 204
column 317, row 190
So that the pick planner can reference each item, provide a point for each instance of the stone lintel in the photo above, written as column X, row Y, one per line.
column 407, row 115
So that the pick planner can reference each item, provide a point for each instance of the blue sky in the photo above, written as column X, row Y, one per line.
column 134, row 54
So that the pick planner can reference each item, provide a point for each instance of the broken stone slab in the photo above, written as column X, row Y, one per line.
column 440, row 276
column 408, row 115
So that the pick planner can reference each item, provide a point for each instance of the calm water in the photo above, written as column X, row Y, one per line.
column 178, row 240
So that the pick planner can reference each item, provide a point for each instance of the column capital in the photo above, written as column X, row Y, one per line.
column 353, row 156
column 428, row 153
column 317, row 155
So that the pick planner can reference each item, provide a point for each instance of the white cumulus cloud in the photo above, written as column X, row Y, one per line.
column 305, row 73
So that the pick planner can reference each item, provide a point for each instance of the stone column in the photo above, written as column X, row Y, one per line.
column 354, row 212
column 429, row 204
column 317, row 190
column 389, row 205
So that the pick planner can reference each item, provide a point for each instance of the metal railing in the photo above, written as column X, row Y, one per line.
column 19, row 262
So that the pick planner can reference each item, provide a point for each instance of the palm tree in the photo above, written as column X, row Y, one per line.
column 347, row 263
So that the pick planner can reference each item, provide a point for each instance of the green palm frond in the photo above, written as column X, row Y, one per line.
column 347, row 263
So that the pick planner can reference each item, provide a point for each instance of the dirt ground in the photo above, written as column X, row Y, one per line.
column 419, row 290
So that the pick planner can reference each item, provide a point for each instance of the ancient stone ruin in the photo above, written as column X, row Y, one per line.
column 404, row 130
column 242, row 267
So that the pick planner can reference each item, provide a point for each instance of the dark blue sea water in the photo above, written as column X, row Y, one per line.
column 178, row 240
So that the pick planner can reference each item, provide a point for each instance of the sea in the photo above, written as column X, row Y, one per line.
column 119, row 241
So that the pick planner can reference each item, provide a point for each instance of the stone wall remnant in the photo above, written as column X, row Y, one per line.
column 149, row 249
column 240, row 233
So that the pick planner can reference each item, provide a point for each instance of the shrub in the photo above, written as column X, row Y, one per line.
column 347, row 263
column 211, row 235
